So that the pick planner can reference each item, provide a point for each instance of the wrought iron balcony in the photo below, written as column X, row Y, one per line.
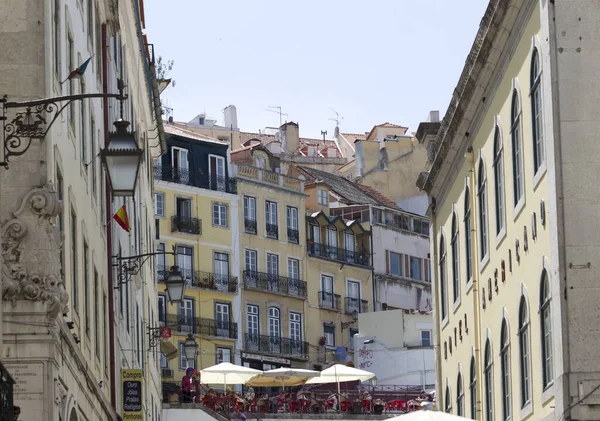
column 292, row 235
column 330, row 301
column 356, row 305
column 187, row 225
column 276, row 345
column 250, row 226
column 201, row 326
column 274, row 283
column 204, row 280
column 339, row 255
column 273, row 231
column 196, row 179
column 6, row 395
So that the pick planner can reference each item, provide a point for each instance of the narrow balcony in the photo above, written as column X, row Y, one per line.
column 202, row 326
column 186, row 225
column 339, row 255
column 330, row 301
column 272, row 231
column 276, row 345
column 188, row 177
column 274, row 283
column 356, row 305
column 250, row 226
column 293, row 236
column 204, row 280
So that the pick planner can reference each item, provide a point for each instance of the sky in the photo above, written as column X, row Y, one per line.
column 372, row 62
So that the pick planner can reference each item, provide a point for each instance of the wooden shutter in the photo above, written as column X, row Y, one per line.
column 406, row 271
column 387, row 261
column 426, row 269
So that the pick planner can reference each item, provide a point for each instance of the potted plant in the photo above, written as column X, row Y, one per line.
column 322, row 340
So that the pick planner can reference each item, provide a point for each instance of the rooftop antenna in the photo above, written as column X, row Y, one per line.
column 323, row 133
column 338, row 118
column 278, row 108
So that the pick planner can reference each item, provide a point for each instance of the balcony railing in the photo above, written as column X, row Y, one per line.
column 6, row 395
column 274, row 283
column 341, row 255
column 292, row 235
column 356, row 305
column 201, row 326
column 276, row 345
column 205, row 280
column 187, row 225
column 330, row 300
column 273, row 231
column 250, row 226
column 195, row 179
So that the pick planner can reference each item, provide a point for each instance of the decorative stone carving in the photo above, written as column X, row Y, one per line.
column 60, row 392
column 31, row 252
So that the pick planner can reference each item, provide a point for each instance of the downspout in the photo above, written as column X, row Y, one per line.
column 434, row 293
column 111, row 289
column 373, row 289
column 475, row 289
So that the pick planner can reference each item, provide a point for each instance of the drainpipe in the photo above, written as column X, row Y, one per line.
column 476, row 290
column 373, row 289
column 434, row 292
column 111, row 289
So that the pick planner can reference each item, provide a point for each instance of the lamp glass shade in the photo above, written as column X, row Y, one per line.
column 175, row 285
column 190, row 348
column 122, row 158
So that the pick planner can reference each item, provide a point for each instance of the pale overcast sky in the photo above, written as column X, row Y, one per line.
column 372, row 61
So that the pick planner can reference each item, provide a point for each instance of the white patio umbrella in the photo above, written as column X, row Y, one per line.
column 283, row 377
column 338, row 373
column 227, row 373
column 427, row 416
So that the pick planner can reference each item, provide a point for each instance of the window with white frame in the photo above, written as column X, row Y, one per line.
column 517, row 149
column 183, row 361
column 252, row 319
column 536, row 111
column 293, row 268
column 159, row 204
column 415, row 268
column 426, row 338
column 295, row 326
column 219, row 214
column 249, row 208
column 223, row 355
column 164, row 363
column 353, row 331
column 162, row 310
column 329, row 334
column 322, row 197
column 251, row 260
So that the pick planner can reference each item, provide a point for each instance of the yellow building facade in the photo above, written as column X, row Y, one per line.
column 490, row 236
column 196, row 209
column 272, row 248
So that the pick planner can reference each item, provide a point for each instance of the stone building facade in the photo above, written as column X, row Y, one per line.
column 58, row 324
column 513, row 215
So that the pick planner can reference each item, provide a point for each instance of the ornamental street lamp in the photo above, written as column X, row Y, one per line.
column 190, row 348
column 175, row 285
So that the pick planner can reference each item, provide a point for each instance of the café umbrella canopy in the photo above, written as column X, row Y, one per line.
column 283, row 377
column 227, row 373
column 427, row 416
column 122, row 158
column 339, row 373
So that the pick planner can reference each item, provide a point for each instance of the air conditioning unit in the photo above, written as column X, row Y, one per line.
column 167, row 372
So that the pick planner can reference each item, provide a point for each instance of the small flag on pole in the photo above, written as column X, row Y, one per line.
column 78, row 72
column 122, row 218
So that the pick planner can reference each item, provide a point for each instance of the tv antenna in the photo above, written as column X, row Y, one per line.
column 278, row 108
column 338, row 118
column 323, row 133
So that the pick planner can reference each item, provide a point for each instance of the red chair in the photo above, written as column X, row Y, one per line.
column 346, row 405
column 366, row 405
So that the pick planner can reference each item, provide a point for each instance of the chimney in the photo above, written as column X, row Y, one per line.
column 230, row 117
column 290, row 138
column 433, row 117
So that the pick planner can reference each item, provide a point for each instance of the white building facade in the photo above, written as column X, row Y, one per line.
column 58, row 325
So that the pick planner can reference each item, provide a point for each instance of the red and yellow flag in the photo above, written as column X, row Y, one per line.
column 122, row 218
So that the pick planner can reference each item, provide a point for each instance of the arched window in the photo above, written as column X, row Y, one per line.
column 274, row 322
column 548, row 372
column 517, row 152
column 489, row 382
column 505, row 369
column 483, row 228
column 524, row 354
column 468, row 245
column 454, row 246
column 473, row 389
column 73, row 416
column 443, row 308
column 460, row 396
column 536, row 111
column 498, row 181
column 448, row 407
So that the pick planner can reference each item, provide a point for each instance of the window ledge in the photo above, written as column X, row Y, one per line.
column 539, row 175
column 469, row 285
column 483, row 263
column 444, row 323
column 456, row 304
column 526, row 411
column 501, row 236
column 519, row 207
column 548, row 393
